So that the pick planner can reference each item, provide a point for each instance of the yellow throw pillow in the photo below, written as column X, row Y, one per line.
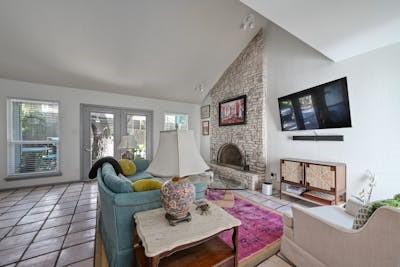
column 146, row 185
column 127, row 166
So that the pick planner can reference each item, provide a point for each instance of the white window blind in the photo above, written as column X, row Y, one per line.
column 176, row 121
column 33, row 137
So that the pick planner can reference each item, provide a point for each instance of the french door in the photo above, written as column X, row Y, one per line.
column 102, row 129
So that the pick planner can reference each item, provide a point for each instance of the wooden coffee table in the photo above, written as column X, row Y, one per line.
column 194, row 243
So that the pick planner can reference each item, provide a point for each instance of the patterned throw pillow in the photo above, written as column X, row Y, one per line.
column 362, row 216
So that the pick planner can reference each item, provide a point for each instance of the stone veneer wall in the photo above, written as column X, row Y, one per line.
column 252, row 179
column 243, row 77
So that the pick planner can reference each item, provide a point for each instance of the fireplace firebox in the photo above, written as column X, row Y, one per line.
column 230, row 155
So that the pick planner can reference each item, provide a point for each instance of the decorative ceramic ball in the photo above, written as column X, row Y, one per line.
column 177, row 196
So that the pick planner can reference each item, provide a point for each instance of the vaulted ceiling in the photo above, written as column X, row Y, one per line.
column 151, row 48
column 339, row 29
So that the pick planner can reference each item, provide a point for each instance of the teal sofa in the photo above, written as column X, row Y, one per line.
column 118, row 203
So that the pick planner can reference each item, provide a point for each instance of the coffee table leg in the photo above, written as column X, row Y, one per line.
column 138, row 251
column 154, row 261
column 235, row 241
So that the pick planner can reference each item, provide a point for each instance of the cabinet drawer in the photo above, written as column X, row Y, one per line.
column 292, row 171
column 319, row 176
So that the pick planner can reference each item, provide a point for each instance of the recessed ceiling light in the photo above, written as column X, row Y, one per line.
column 200, row 87
column 248, row 22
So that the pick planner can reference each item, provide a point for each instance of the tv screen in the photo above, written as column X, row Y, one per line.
column 320, row 107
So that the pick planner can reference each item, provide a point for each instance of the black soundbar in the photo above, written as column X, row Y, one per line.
column 318, row 137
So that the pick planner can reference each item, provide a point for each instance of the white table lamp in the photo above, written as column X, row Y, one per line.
column 128, row 142
column 177, row 157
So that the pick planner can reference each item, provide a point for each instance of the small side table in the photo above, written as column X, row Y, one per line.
column 194, row 243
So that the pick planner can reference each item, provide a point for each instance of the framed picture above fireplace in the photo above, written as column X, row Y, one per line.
column 232, row 111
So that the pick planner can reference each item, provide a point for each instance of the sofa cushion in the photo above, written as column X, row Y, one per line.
column 128, row 167
column 352, row 206
column 141, row 164
column 116, row 184
column 139, row 175
column 334, row 215
column 146, row 185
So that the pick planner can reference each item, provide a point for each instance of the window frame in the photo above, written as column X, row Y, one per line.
column 175, row 113
column 10, row 142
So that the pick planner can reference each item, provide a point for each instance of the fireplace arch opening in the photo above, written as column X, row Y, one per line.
column 230, row 155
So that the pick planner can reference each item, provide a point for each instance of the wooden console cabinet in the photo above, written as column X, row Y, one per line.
column 324, row 182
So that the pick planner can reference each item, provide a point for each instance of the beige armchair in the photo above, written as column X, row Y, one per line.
column 323, row 236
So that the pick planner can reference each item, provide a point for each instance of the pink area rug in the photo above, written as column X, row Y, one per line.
column 261, row 228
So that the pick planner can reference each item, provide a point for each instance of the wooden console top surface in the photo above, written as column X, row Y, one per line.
column 317, row 162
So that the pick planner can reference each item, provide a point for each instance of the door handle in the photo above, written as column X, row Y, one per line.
column 85, row 148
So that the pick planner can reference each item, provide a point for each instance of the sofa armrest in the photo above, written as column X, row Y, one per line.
column 137, row 198
column 288, row 225
column 372, row 245
column 288, row 220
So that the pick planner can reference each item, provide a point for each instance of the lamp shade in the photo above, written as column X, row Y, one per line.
column 127, row 141
column 177, row 155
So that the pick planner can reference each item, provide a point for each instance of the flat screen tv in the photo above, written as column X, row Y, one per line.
column 320, row 107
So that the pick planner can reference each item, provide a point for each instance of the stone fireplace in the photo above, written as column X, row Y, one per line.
column 229, row 155
column 229, row 164
column 229, row 145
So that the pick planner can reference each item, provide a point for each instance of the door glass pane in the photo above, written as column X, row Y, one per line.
column 101, row 135
column 176, row 121
column 136, row 126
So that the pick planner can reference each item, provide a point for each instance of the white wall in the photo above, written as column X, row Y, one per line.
column 70, row 100
column 374, row 91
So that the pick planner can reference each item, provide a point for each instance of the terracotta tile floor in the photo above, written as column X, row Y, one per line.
column 48, row 225
column 55, row 225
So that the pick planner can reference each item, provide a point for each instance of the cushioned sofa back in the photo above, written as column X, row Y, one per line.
column 141, row 164
column 113, row 182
